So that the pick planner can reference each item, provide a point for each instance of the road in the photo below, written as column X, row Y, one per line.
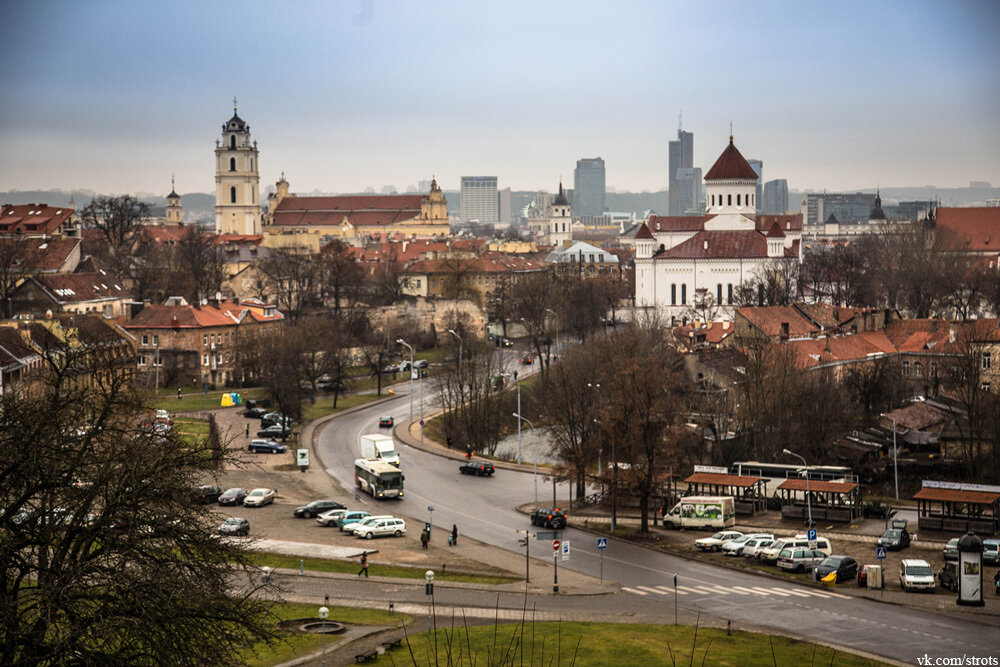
column 484, row 510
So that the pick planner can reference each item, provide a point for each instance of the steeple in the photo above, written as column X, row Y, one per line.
column 560, row 199
column 877, row 213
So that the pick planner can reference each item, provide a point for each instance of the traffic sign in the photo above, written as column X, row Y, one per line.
column 880, row 553
column 555, row 545
column 811, row 534
column 602, row 543
column 565, row 550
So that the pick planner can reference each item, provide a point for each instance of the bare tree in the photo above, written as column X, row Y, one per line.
column 13, row 255
column 118, row 219
column 339, row 275
column 291, row 276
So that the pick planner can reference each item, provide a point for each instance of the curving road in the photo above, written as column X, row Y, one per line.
column 483, row 508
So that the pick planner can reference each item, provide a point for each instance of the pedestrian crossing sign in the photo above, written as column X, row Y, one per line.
column 602, row 543
column 880, row 553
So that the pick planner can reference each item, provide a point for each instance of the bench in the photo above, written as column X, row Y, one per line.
column 395, row 643
column 367, row 656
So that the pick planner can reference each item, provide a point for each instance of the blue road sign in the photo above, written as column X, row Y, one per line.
column 811, row 534
column 602, row 543
column 880, row 553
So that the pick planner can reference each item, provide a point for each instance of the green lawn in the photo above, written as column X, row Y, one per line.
column 195, row 399
column 598, row 645
column 298, row 644
column 351, row 566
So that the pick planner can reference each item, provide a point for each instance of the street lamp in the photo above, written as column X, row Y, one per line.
column 555, row 315
column 514, row 376
column 534, row 451
column 324, row 613
column 459, row 339
column 410, row 348
column 808, row 494
column 895, row 467
column 614, row 467
column 265, row 578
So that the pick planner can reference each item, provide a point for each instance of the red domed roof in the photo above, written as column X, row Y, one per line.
column 731, row 164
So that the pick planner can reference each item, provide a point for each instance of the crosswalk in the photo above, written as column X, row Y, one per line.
column 711, row 589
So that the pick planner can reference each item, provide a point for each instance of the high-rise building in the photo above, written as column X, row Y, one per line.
column 758, row 167
column 237, row 184
column 588, row 187
column 775, row 201
column 681, row 157
column 479, row 199
column 688, row 199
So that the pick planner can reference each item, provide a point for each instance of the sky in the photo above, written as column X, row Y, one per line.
column 116, row 95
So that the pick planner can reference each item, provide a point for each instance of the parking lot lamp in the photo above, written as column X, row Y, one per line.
column 265, row 578
column 324, row 613
column 534, row 451
column 410, row 348
column 808, row 494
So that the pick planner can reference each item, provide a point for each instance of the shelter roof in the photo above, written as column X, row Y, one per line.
column 742, row 481
column 817, row 486
column 956, row 496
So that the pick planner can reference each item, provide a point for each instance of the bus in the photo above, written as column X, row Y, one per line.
column 784, row 471
column 382, row 480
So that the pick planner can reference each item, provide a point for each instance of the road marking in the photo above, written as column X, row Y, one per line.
column 818, row 594
column 651, row 590
column 684, row 590
column 772, row 591
column 634, row 591
column 794, row 592
column 668, row 589
column 718, row 589
column 743, row 591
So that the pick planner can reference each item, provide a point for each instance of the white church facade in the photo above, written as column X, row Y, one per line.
column 686, row 265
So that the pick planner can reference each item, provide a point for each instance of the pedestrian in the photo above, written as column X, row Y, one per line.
column 246, row 429
column 364, row 564
column 453, row 540
column 178, row 393
column 425, row 537
column 449, row 442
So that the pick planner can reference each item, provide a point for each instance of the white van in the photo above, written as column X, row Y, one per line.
column 770, row 554
column 702, row 512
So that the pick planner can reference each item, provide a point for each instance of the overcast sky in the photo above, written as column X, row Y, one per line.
column 116, row 95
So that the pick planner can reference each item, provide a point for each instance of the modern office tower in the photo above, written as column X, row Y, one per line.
column 685, row 194
column 758, row 167
column 588, row 187
column 237, row 203
column 479, row 199
column 775, row 201
column 681, row 157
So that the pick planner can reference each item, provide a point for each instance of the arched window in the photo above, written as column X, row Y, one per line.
column 251, row 164
column 684, row 293
column 232, row 195
column 232, row 164
column 232, row 141
column 730, row 200
column 673, row 295
column 737, row 200
column 713, row 200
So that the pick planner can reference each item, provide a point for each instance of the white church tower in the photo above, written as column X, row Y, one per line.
column 560, row 220
column 175, row 212
column 237, row 183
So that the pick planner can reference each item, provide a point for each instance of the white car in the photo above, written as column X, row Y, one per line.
column 381, row 527
column 714, row 543
column 755, row 546
column 916, row 575
column 366, row 521
column 736, row 547
column 769, row 554
column 259, row 498
column 329, row 518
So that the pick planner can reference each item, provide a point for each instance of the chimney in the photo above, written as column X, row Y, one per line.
column 174, row 322
column 828, row 344
column 784, row 330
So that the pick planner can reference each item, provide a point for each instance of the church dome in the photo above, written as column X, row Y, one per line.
column 235, row 124
column 731, row 165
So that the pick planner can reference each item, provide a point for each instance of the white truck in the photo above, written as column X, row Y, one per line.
column 378, row 447
column 708, row 512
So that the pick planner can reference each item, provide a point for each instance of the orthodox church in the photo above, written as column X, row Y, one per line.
column 686, row 263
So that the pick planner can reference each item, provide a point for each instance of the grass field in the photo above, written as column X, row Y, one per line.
column 351, row 566
column 599, row 645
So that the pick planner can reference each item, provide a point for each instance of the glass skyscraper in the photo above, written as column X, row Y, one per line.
column 588, row 187
column 681, row 157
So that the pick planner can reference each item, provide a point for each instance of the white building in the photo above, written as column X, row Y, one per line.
column 479, row 200
column 237, row 184
column 560, row 219
column 683, row 262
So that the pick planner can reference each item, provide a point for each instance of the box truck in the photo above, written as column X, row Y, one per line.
column 378, row 447
column 702, row 512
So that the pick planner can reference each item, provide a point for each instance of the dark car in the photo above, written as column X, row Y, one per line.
column 315, row 508
column 233, row 496
column 332, row 385
column 477, row 468
column 266, row 446
column 526, row 360
column 895, row 538
column 275, row 418
column 235, row 526
column 255, row 413
column 258, row 403
column 207, row 494
column 845, row 567
column 274, row 431
column 549, row 517
column 385, row 421
column 948, row 576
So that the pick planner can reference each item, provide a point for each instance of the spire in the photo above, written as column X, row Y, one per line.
column 730, row 131
column 234, row 105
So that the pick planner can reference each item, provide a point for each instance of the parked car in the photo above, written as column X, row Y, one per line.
column 259, row 403
column 274, row 431
column 329, row 518
column 336, row 385
column 254, row 413
column 800, row 559
column 206, row 494
column 735, row 547
column 755, row 546
column 948, row 576
column 385, row 421
column 351, row 517
column 845, row 567
column 714, row 543
column 916, row 575
column 770, row 553
column 477, row 468
column 549, row 517
column 991, row 552
column 235, row 526
column 275, row 418
column 380, row 528
column 266, row 447
column 316, row 508
column 259, row 498
column 951, row 549
column 163, row 417
column 233, row 496
column 895, row 538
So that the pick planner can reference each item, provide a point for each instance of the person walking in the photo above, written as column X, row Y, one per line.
column 246, row 429
column 364, row 564
column 178, row 393
column 453, row 540
column 425, row 537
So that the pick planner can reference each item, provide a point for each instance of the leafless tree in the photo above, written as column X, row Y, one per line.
column 15, row 253
column 118, row 219
column 291, row 276
column 339, row 276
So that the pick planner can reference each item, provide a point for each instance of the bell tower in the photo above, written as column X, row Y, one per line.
column 175, row 212
column 237, row 183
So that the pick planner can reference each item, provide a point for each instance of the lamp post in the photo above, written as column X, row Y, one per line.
column 534, row 453
column 597, row 386
column 555, row 315
column 895, row 466
column 808, row 494
column 410, row 348
column 514, row 377
column 614, row 468
column 265, row 578
column 324, row 613
column 459, row 339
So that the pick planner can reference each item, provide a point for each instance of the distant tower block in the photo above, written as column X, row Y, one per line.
column 237, row 183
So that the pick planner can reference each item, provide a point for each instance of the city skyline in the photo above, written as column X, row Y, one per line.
column 118, row 96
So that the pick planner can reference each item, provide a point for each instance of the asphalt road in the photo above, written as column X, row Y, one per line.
column 484, row 508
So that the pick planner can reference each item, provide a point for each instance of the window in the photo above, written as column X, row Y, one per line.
column 737, row 200
column 232, row 195
column 729, row 296
column 232, row 141
column 673, row 295
column 204, row 339
column 933, row 370
column 906, row 369
column 987, row 361
column 730, row 199
column 145, row 339
column 142, row 360
column 232, row 164
column 985, row 386
column 718, row 293
column 918, row 369
column 684, row 293
column 204, row 360
column 713, row 200
column 418, row 283
column 156, row 340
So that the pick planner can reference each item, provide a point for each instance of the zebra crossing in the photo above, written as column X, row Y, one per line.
column 711, row 589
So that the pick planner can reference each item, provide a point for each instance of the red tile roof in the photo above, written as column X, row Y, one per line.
column 714, row 333
column 718, row 478
column 731, row 165
column 495, row 263
column 77, row 287
column 33, row 218
column 817, row 486
column 44, row 255
column 775, row 231
column 168, row 234
column 644, row 233
column 976, row 229
column 360, row 210
column 956, row 496
column 187, row 317
column 719, row 245
column 788, row 223
column 917, row 416
column 860, row 347
column 677, row 223
column 768, row 319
